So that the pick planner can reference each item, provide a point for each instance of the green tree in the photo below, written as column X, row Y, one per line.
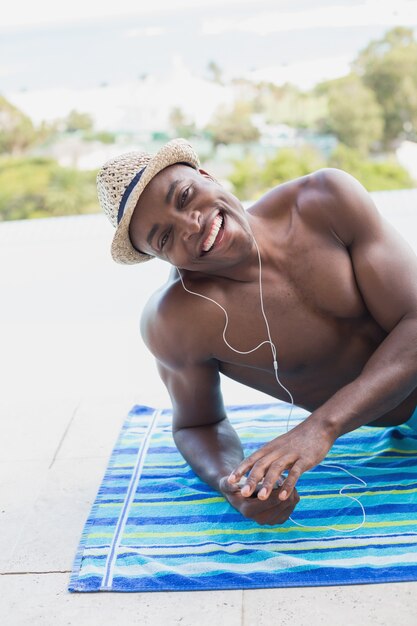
column 250, row 179
column 103, row 136
column 16, row 129
column 246, row 177
column 233, row 125
column 354, row 115
column 39, row 187
column 290, row 163
column 388, row 66
column 47, row 131
column 181, row 125
column 374, row 175
column 76, row 121
column 286, row 104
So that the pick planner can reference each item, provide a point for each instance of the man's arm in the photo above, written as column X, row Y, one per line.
column 385, row 269
column 209, row 443
column 386, row 274
column 201, row 429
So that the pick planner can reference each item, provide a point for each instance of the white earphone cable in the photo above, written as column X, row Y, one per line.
column 275, row 366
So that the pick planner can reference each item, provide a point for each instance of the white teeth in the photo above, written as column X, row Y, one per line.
column 214, row 231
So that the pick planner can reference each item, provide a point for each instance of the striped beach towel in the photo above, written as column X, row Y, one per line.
column 155, row 526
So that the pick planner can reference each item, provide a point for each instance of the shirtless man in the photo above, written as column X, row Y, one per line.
column 339, row 289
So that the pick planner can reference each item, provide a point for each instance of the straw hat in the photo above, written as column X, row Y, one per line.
column 120, row 183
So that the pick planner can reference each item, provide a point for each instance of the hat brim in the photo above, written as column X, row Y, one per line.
column 175, row 151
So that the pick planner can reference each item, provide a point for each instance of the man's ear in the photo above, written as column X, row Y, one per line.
column 207, row 175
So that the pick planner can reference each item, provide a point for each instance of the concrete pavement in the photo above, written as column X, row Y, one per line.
column 72, row 364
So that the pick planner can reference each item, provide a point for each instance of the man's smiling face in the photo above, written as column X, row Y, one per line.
column 185, row 217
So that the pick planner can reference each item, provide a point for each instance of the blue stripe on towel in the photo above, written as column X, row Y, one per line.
column 155, row 526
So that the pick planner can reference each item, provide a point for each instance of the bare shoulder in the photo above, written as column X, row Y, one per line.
column 279, row 200
column 385, row 266
column 333, row 188
column 172, row 327
column 175, row 328
column 329, row 200
column 332, row 198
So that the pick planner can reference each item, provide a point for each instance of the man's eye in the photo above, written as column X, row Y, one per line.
column 184, row 196
column 164, row 240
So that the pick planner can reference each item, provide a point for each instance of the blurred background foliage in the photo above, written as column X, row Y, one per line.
column 269, row 134
column 39, row 187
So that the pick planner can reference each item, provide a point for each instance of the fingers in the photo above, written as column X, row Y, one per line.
column 263, row 471
column 270, row 512
column 265, row 512
column 279, row 513
column 290, row 482
column 265, row 468
column 242, row 468
column 227, row 487
column 274, row 476
column 264, row 479
column 272, row 479
column 253, row 479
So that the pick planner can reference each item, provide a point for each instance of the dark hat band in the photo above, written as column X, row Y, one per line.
column 127, row 193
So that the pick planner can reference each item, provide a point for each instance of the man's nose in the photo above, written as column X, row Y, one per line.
column 191, row 223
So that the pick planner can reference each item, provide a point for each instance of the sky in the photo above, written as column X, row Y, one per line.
column 113, row 59
column 28, row 13
column 281, row 14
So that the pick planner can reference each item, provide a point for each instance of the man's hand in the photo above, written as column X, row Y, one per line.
column 302, row 448
column 270, row 511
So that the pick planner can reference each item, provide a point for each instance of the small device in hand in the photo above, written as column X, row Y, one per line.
column 242, row 483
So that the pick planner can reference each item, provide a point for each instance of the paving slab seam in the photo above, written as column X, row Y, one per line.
column 55, row 571
column 74, row 413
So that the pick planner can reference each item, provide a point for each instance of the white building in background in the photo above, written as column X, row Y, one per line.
column 278, row 135
column 143, row 105
column 73, row 151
